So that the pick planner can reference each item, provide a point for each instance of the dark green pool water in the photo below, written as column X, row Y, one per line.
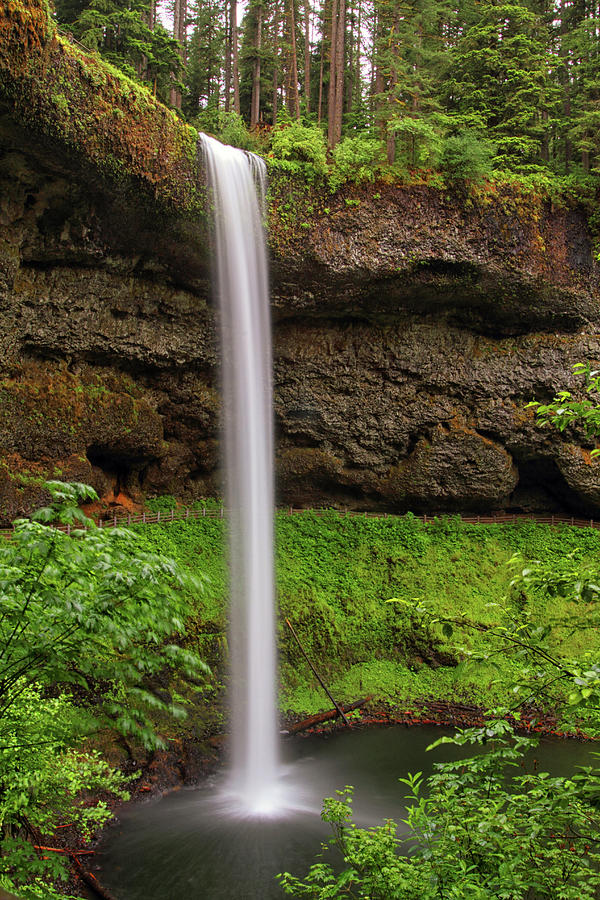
column 189, row 846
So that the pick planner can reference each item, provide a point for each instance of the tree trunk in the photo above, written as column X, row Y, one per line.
column 293, row 97
column 566, row 104
column 339, row 72
column 390, row 136
column 320, row 106
column 350, row 80
column 378, row 79
column 276, row 61
column 176, row 17
column 390, row 146
column 545, row 144
column 235, row 73
column 585, row 161
column 179, row 33
column 332, row 75
column 358, row 76
column 307, row 55
column 255, row 102
column 151, row 15
column 227, row 59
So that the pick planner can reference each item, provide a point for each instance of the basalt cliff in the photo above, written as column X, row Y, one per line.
column 411, row 324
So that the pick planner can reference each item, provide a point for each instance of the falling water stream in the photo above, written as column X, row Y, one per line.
column 237, row 184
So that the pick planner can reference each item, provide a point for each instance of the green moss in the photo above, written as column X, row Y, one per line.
column 74, row 97
column 334, row 576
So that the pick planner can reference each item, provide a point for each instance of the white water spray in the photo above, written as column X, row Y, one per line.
column 234, row 179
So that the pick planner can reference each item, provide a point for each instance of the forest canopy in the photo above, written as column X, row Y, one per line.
column 469, row 87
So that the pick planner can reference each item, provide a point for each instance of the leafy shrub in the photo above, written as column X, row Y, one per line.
column 301, row 148
column 481, row 827
column 89, row 613
column 165, row 503
column 44, row 779
column 232, row 130
column 467, row 156
column 209, row 503
column 354, row 159
column 419, row 141
column 228, row 127
column 517, row 153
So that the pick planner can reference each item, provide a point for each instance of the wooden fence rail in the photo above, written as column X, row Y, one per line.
column 183, row 513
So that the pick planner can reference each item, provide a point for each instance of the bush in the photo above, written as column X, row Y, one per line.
column 88, row 620
column 467, row 156
column 232, row 130
column 481, row 827
column 228, row 127
column 164, row 503
column 420, row 141
column 301, row 148
column 354, row 159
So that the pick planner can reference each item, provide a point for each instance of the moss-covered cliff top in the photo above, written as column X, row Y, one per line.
column 63, row 94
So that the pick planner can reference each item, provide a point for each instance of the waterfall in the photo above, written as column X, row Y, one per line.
column 236, row 181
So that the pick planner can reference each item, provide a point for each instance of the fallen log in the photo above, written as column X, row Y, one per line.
column 65, row 850
column 324, row 716
column 340, row 711
column 90, row 880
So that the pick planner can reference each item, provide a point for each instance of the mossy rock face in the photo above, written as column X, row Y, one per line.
column 456, row 467
column 420, row 415
column 90, row 424
column 72, row 96
column 86, row 425
column 501, row 260
column 107, row 365
column 47, row 408
column 105, row 168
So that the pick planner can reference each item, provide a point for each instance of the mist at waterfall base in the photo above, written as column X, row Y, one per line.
column 237, row 182
column 185, row 846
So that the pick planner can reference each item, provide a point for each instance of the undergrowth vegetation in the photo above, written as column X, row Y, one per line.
column 335, row 575
column 88, row 622
column 487, row 826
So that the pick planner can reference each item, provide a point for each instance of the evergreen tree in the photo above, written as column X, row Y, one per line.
column 499, row 82
column 257, row 61
column 204, row 79
column 125, row 33
column 581, row 57
column 521, row 74
column 410, row 54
